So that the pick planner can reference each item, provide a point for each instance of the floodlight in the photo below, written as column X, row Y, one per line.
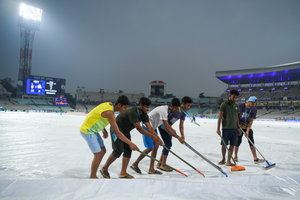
column 30, row 12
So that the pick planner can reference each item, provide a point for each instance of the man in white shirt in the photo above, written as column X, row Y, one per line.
column 158, row 116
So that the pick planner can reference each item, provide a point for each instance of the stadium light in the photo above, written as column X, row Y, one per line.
column 29, row 22
column 30, row 12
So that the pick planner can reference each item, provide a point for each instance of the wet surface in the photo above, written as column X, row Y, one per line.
column 38, row 148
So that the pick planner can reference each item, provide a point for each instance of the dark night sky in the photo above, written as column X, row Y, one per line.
column 124, row 45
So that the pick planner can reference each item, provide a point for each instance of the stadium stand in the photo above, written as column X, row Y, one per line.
column 87, row 96
column 277, row 89
column 36, row 104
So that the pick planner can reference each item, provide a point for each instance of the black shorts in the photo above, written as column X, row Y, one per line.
column 250, row 137
column 119, row 146
column 229, row 135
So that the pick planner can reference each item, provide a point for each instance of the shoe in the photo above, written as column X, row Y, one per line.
column 259, row 161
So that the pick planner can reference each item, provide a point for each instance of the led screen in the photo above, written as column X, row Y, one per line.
column 34, row 86
column 51, row 88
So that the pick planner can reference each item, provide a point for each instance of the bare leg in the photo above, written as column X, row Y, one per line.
column 223, row 150
column 153, row 154
column 164, row 160
column 124, row 173
column 141, row 156
column 236, row 150
column 228, row 163
column 96, row 162
column 109, row 161
column 160, row 159
column 253, row 152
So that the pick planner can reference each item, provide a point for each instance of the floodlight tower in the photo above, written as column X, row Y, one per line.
column 29, row 22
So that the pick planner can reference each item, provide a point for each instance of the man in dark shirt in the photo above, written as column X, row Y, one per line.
column 186, row 103
column 230, row 122
column 246, row 116
column 127, row 121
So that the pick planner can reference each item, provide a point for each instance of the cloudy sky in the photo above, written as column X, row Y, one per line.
column 125, row 45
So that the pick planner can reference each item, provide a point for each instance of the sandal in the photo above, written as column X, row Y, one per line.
column 155, row 172
column 128, row 176
column 222, row 162
column 168, row 169
column 235, row 159
column 231, row 164
column 105, row 175
column 136, row 169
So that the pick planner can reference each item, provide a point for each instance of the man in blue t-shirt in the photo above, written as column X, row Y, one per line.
column 246, row 116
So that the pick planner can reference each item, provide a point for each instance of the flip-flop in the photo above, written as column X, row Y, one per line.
column 155, row 172
column 136, row 169
column 222, row 162
column 230, row 164
column 105, row 175
column 128, row 176
column 168, row 169
column 236, row 159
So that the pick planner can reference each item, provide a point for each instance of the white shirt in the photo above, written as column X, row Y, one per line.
column 157, row 115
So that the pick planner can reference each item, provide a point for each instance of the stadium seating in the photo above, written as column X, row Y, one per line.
column 10, row 105
column 105, row 97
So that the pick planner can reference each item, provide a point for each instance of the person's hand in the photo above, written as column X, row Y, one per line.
column 159, row 141
column 219, row 132
column 183, row 137
column 239, row 132
column 105, row 134
column 247, row 133
column 133, row 146
column 181, row 140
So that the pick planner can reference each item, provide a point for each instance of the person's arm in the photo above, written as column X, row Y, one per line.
column 219, row 123
column 112, row 120
column 171, row 131
column 249, row 127
column 150, row 133
column 105, row 134
column 238, row 124
column 181, row 129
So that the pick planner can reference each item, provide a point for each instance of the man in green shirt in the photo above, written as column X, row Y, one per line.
column 127, row 121
column 228, row 114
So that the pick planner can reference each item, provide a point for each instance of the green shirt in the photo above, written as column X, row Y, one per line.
column 229, row 114
column 126, row 120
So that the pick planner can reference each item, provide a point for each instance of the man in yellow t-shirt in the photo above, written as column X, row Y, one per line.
column 96, row 121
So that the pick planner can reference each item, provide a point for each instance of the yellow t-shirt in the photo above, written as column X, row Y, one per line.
column 94, row 122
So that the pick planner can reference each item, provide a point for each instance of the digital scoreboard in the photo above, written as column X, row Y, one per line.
column 35, row 87
column 41, row 85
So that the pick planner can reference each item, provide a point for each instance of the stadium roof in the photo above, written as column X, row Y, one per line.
column 278, row 73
